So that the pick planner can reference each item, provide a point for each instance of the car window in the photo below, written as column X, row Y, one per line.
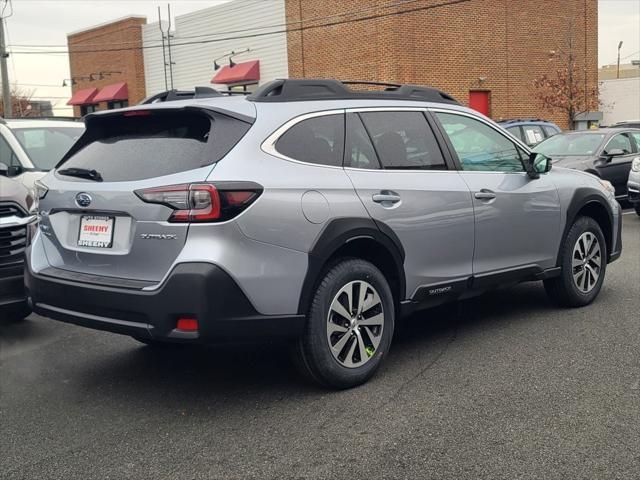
column 533, row 134
column 636, row 137
column 550, row 131
column 125, row 148
column 620, row 141
column 317, row 140
column 480, row 147
column 359, row 151
column 45, row 146
column 7, row 156
column 403, row 140
column 516, row 132
column 571, row 144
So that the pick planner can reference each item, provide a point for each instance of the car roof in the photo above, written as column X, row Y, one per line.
column 526, row 121
column 40, row 123
column 606, row 131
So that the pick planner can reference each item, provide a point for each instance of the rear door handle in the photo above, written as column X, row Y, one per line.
column 485, row 194
column 386, row 197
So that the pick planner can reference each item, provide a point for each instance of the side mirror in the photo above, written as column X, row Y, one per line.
column 537, row 164
column 4, row 169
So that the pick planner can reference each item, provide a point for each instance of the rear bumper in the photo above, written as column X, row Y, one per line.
column 199, row 290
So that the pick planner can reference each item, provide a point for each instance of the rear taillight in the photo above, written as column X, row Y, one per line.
column 203, row 202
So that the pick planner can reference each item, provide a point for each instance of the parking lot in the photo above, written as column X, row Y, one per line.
column 501, row 386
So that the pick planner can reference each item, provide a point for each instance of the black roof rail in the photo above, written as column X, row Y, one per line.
column 292, row 90
column 197, row 92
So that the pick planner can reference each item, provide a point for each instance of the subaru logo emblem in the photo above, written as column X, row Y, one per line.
column 83, row 199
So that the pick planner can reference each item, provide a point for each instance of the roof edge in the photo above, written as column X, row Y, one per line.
column 104, row 24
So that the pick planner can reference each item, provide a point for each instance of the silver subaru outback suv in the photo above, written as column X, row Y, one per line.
column 308, row 210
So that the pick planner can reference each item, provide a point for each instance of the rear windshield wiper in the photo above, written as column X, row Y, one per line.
column 81, row 173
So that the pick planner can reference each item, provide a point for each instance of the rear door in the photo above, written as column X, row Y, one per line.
column 100, row 226
column 517, row 219
column 403, row 180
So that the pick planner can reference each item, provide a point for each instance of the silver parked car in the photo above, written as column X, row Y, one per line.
column 309, row 210
column 17, row 225
column 30, row 147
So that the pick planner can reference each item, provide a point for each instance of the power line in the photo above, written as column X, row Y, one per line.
column 307, row 20
column 285, row 30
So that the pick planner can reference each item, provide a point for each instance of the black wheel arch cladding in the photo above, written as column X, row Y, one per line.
column 339, row 232
column 589, row 198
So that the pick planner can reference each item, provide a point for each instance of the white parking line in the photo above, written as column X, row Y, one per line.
column 628, row 213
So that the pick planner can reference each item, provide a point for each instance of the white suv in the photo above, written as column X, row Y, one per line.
column 31, row 147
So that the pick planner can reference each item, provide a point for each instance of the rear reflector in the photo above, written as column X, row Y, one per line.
column 203, row 202
column 187, row 324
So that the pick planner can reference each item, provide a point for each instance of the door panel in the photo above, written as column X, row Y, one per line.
column 433, row 220
column 520, row 226
column 617, row 169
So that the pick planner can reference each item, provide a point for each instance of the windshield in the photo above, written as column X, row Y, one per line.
column 46, row 146
column 578, row 144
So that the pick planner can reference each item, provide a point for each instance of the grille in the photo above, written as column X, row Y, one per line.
column 13, row 240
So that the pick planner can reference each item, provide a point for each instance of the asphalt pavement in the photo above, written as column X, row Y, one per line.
column 501, row 386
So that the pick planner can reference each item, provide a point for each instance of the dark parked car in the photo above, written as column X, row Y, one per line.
column 607, row 153
column 530, row 130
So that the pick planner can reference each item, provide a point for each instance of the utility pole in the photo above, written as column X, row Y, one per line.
column 6, row 89
column 618, row 70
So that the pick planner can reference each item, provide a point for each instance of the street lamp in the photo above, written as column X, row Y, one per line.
column 618, row 70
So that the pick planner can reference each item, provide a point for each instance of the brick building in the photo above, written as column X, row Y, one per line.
column 484, row 52
column 107, row 65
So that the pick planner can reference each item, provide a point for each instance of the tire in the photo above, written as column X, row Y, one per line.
column 637, row 208
column 366, row 334
column 575, row 287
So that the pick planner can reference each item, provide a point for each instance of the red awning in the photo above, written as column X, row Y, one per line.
column 244, row 72
column 83, row 97
column 113, row 92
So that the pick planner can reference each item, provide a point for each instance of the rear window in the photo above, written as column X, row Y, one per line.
column 318, row 140
column 125, row 148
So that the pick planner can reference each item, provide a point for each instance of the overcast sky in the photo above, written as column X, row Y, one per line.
column 47, row 22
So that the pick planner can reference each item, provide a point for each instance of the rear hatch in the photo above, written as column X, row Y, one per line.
column 97, row 218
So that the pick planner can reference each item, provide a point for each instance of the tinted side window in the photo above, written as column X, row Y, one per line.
column 404, row 140
column 480, row 147
column 636, row 136
column 620, row 141
column 550, row 131
column 515, row 131
column 315, row 140
column 359, row 151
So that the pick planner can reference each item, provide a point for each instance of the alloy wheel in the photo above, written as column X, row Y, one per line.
column 355, row 324
column 586, row 262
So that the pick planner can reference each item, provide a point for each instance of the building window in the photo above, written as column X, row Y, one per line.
column 117, row 104
column 87, row 109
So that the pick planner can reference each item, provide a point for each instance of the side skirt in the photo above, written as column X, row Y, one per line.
column 428, row 296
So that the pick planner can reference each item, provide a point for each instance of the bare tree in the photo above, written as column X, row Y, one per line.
column 20, row 101
column 566, row 89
